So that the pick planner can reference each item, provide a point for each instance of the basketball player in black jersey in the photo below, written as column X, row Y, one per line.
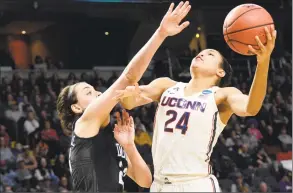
column 99, row 158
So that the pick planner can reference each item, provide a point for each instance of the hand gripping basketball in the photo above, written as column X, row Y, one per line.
column 265, row 52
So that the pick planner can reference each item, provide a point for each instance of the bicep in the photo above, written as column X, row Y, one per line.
column 155, row 89
column 238, row 103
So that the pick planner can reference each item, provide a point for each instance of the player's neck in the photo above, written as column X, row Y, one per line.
column 198, row 84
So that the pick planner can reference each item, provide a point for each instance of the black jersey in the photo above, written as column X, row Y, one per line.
column 97, row 164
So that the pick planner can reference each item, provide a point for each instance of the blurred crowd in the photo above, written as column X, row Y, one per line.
column 34, row 150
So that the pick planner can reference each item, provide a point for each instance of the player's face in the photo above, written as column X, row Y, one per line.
column 207, row 62
column 85, row 94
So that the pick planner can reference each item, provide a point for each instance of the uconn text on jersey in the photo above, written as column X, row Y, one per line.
column 183, row 103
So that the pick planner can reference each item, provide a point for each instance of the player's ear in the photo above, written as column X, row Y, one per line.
column 221, row 73
column 76, row 108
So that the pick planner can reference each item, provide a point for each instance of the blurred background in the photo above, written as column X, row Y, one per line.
column 48, row 44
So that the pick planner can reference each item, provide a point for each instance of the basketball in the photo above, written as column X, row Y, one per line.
column 242, row 24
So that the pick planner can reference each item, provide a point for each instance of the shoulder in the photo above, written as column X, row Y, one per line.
column 164, row 82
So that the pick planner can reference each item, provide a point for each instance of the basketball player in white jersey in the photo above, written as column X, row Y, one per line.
column 191, row 116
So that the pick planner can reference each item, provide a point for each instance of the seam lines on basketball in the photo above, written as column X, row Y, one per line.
column 240, row 16
column 249, row 28
column 230, row 41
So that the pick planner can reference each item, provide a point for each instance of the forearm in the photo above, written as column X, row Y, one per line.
column 258, row 88
column 140, row 172
column 141, row 60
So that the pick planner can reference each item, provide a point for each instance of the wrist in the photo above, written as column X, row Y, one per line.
column 129, row 146
column 161, row 33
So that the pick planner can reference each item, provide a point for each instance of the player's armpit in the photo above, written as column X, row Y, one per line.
column 152, row 92
column 238, row 102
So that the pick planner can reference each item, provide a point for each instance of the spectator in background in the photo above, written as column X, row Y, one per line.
column 17, row 151
column 31, row 124
column 244, row 157
column 112, row 79
column 253, row 129
column 285, row 139
column 4, row 134
column 44, row 172
column 240, row 185
column 28, row 158
column 64, row 186
column 142, row 137
column 42, row 149
column 61, row 167
column 6, row 155
column 285, row 185
column 13, row 113
column 49, row 134
column 263, row 160
column 250, row 138
column 10, row 99
column 138, row 124
column 263, row 187
column 24, row 176
column 270, row 138
column 100, row 86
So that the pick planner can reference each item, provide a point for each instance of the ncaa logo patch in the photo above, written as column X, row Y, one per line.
column 205, row 92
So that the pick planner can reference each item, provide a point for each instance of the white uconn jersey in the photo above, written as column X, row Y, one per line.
column 185, row 132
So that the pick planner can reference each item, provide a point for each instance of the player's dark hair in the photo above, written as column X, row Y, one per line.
column 226, row 80
column 66, row 98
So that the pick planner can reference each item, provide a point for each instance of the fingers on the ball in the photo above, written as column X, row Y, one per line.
column 272, row 27
column 268, row 34
column 259, row 43
column 254, row 51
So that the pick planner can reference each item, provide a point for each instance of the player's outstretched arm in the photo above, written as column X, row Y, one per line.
column 124, row 134
column 99, row 109
column 134, row 96
column 249, row 105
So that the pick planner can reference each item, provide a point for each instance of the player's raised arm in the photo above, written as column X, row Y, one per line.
column 98, row 110
column 249, row 105
column 134, row 96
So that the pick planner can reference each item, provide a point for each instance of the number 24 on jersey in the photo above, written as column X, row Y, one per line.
column 181, row 124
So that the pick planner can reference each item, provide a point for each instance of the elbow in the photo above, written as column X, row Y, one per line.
column 145, row 182
column 252, row 112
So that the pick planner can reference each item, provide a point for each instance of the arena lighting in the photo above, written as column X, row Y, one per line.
column 197, row 35
column 198, row 28
column 23, row 32
column 107, row 33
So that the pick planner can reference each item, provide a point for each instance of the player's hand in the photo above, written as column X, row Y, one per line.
column 132, row 91
column 264, row 54
column 124, row 129
column 170, row 25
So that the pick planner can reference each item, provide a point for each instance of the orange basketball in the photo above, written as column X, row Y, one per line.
column 242, row 24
